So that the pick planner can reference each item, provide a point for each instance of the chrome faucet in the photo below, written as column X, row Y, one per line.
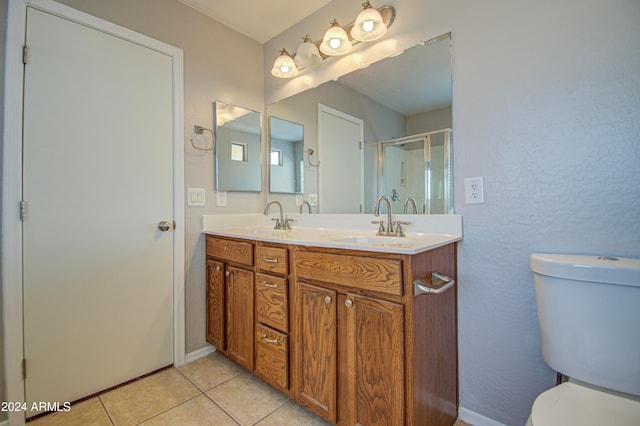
column 406, row 205
column 376, row 212
column 281, row 222
column 305, row 202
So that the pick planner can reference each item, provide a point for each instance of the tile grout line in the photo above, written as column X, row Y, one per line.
column 178, row 404
column 204, row 392
column 168, row 409
column 104, row 407
column 288, row 401
column 213, row 387
column 222, row 408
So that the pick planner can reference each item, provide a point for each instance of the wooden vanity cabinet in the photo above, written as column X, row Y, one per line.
column 342, row 332
column 363, row 357
column 230, row 299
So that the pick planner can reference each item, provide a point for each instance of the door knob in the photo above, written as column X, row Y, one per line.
column 164, row 225
column 348, row 303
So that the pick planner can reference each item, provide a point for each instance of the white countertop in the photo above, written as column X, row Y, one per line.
column 344, row 231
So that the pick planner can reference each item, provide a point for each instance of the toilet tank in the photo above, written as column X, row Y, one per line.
column 589, row 316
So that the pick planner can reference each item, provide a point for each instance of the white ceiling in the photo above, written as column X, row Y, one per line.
column 260, row 20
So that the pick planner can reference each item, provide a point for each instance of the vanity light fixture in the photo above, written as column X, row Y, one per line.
column 284, row 66
column 371, row 24
column 335, row 41
column 307, row 54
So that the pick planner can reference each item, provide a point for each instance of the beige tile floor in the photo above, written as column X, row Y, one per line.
column 209, row 391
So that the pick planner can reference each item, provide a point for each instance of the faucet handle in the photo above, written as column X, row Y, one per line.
column 287, row 223
column 381, row 227
column 399, row 231
column 278, row 223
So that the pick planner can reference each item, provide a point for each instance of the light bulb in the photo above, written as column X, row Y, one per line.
column 335, row 41
column 369, row 24
column 284, row 67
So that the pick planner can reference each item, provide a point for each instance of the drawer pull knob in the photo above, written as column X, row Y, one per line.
column 266, row 284
column 327, row 300
column 266, row 339
column 348, row 303
column 268, row 260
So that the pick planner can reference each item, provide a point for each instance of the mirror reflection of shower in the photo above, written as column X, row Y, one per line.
column 418, row 167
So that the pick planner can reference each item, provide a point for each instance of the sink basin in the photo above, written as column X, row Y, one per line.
column 370, row 240
column 261, row 231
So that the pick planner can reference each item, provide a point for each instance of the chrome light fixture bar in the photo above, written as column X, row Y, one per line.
column 370, row 25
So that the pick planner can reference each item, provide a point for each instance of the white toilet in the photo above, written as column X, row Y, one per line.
column 589, row 315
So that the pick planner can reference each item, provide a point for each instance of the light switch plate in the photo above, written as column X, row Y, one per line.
column 313, row 199
column 195, row 197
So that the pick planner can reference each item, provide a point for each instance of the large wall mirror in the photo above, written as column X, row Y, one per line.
column 286, row 144
column 407, row 96
column 238, row 153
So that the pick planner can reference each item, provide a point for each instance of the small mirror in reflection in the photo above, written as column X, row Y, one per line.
column 286, row 169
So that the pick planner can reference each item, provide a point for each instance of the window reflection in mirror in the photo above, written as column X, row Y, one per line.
column 238, row 153
column 286, row 170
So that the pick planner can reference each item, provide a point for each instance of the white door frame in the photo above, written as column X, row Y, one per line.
column 12, row 280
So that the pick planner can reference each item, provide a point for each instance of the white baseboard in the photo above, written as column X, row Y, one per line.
column 197, row 354
column 476, row 419
column 4, row 423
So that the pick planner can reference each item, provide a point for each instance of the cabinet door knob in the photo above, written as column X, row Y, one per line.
column 327, row 300
column 217, row 268
column 227, row 273
column 348, row 303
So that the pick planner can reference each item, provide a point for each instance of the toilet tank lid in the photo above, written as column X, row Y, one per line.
column 604, row 269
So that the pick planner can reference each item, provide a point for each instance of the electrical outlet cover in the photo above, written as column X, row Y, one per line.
column 473, row 190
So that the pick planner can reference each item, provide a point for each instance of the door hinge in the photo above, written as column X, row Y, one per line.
column 23, row 210
column 25, row 54
column 24, row 368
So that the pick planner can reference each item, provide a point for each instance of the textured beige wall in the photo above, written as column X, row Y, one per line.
column 209, row 75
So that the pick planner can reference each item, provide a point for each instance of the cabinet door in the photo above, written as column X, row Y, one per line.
column 216, row 301
column 317, row 346
column 240, row 324
column 375, row 367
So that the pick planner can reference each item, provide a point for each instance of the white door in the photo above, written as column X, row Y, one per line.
column 97, row 180
column 340, row 140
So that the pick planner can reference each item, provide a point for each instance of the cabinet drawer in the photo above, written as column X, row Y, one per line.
column 233, row 251
column 367, row 273
column 272, row 259
column 272, row 307
column 272, row 356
